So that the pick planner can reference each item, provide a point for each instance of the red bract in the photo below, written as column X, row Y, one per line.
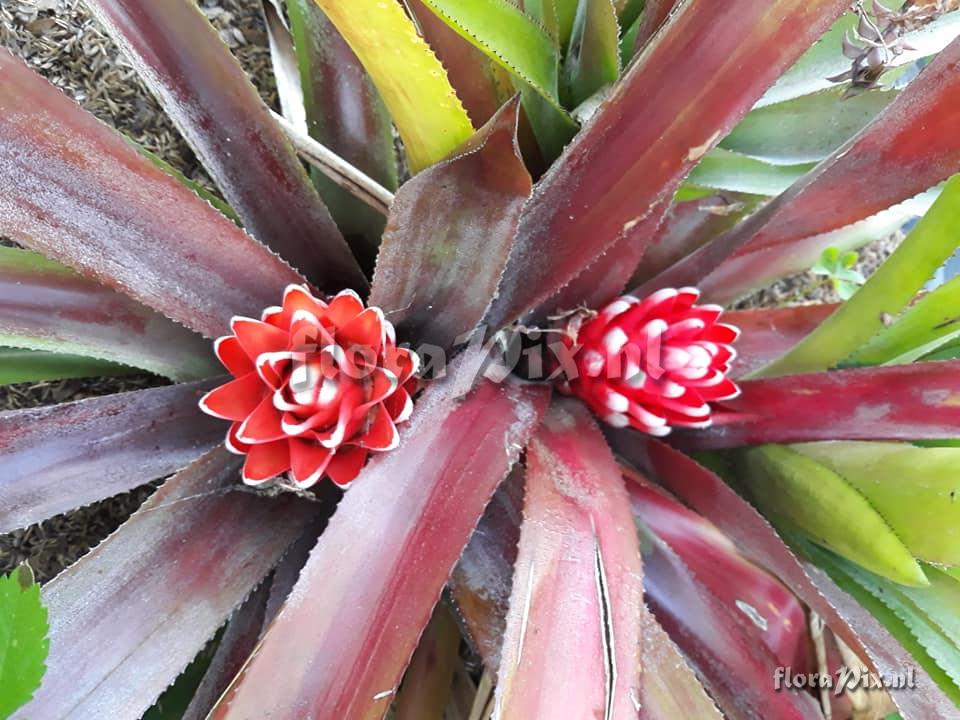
column 317, row 387
column 651, row 364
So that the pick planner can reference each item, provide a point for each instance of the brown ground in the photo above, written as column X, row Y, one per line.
column 59, row 39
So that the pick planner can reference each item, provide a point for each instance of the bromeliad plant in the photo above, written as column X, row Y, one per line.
column 612, row 574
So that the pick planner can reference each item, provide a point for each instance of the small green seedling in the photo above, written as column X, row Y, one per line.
column 838, row 267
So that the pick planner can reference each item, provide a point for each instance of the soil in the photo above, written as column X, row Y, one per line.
column 60, row 40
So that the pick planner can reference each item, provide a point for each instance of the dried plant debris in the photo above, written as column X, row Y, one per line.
column 60, row 40
column 878, row 38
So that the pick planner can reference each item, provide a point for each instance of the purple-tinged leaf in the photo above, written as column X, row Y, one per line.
column 483, row 578
column 46, row 306
column 237, row 642
column 914, row 133
column 449, row 235
column 618, row 176
column 736, row 668
column 903, row 402
column 689, row 224
column 345, row 113
column 60, row 457
column 151, row 595
column 765, row 609
column 353, row 620
column 573, row 631
column 73, row 189
column 709, row 495
column 655, row 13
column 481, row 85
column 670, row 689
column 209, row 97
column 426, row 684
column 768, row 333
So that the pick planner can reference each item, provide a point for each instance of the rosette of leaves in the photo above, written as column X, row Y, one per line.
column 612, row 574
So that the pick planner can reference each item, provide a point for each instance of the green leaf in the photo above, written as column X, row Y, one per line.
column 915, row 490
column 592, row 61
column 796, row 489
column 508, row 36
column 726, row 170
column 911, row 628
column 431, row 121
column 24, row 365
column 805, row 129
column 23, row 639
column 925, row 249
column 212, row 198
column 926, row 326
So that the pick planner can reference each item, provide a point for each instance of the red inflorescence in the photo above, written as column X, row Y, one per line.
column 319, row 385
column 651, row 364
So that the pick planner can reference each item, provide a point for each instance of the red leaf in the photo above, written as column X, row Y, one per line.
column 655, row 13
column 916, row 133
column 352, row 621
column 616, row 179
column 202, row 87
column 768, row 333
column 238, row 641
column 736, row 668
column 153, row 593
column 758, row 602
column 49, row 306
column 901, row 402
column 483, row 578
column 708, row 494
column 449, row 235
column 60, row 457
column 74, row 190
column 670, row 689
column 572, row 641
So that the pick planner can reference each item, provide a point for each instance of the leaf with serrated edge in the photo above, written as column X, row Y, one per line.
column 617, row 177
column 924, row 327
column 593, row 59
column 572, row 642
column 431, row 121
column 914, row 133
column 45, row 306
column 710, row 496
column 759, row 602
column 204, row 90
column 805, row 129
column 23, row 639
column 913, row 488
column 797, row 490
column 768, row 333
column 344, row 112
column 376, row 589
column 887, row 292
column 449, row 234
column 713, row 640
column 60, row 457
column 508, row 36
column 900, row 402
column 73, row 189
column 153, row 593
column 482, row 85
